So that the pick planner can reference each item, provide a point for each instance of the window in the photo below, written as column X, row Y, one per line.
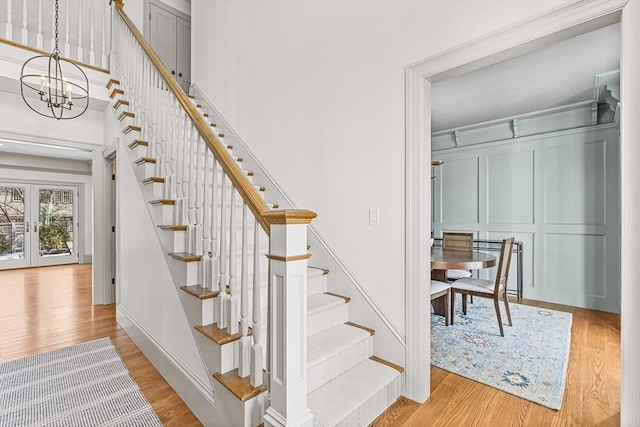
column 17, row 195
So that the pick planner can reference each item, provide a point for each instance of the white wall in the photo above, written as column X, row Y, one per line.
column 323, row 84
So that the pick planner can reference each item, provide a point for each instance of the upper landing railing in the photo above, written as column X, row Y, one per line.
column 84, row 28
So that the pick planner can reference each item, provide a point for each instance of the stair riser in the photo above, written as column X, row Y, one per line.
column 117, row 97
column 145, row 170
column 217, row 358
column 186, row 273
column 318, row 322
column 198, row 311
column 373, row 407
column 138, row 151
column 163, row 214
column 316, row 284
column 329, row 369
column 153, row 190
column 125, row 121
column 173, row 241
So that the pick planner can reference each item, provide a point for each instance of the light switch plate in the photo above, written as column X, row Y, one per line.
column 374, row 217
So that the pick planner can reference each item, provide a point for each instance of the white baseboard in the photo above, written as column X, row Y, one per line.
column 196, row 394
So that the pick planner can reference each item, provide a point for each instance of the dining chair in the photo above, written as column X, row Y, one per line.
column 495, row 289
column 441, row 290
column 457, row 242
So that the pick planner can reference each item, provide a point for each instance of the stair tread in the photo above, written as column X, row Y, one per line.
column 173, row 227
column 334, row 401
column 240, row 387
column 320, row 302
column 200, row 292
column 332, row 341
column 184, row 256
column 219, row 336
column 314, row 272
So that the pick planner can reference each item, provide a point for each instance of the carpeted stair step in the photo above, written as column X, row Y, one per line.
column 316, row 280
column 357, row 396
column 334, row 351
column 325, row 311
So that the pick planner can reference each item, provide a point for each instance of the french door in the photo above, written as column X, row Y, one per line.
column 38, row 225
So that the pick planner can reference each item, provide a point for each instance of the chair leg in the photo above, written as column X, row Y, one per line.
column 506, row 306
column 452, row 306
column 496, row 302
column 447, row 310
column 464, row 304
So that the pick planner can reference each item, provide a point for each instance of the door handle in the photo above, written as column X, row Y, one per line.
column 179, row 74
column 35, row 227
column 27, row 227
column 173, row 72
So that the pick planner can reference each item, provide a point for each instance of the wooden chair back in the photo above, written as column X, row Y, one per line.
column 504, row 264
column 457, row 241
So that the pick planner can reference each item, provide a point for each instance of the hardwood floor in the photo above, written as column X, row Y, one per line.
column 44, row 309
column 591, row 396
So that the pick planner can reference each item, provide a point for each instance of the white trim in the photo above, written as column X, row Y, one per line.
column 526, row 138
column 197, row 395
column 576, row 17
column 37, row 138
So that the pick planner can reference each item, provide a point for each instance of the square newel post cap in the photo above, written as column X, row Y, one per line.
column 289, row 216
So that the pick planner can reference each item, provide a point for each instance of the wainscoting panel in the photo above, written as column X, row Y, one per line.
column 510, row 179
column 459, row 203
column 572, row 167
column 558, row 193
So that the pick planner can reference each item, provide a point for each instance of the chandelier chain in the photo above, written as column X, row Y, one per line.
column 56, row 50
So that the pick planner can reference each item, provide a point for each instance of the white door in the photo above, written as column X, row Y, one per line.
column 170, row 37
column 38, row 224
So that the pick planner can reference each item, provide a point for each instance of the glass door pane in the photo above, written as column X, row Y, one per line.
column 14, row 227
column 55, row 233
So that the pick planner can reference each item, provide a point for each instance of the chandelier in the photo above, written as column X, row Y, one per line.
column 54, row 94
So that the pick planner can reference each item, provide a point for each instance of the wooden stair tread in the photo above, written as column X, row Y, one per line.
column 112, row 82
column 186, row 257
column 199, row 292
column 126, row 114
column 116, row 92
column 139, row 142
column 131, row 128
column 153, row 179
column 355, row 325
column 219, row 336
column 346, row 299
column 142, row 160
column 241, row 387
column 191, row 96
column 180, row 227
column 120, row 102
column 162, row 202
column 389, row 364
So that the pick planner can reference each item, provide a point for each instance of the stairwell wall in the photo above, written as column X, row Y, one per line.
column 321, row 84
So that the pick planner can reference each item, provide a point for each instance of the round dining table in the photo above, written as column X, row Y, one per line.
column 448, row 259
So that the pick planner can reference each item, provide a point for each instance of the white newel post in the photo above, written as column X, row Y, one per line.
column 288, row 318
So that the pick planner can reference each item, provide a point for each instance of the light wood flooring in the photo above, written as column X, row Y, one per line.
column 48, row 308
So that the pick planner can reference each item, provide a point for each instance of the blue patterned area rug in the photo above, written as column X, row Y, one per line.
column 529, row 362
column 83, row 385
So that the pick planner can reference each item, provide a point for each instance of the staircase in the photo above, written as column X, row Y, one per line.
column 204, row 230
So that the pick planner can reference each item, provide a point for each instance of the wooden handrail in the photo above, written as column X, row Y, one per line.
column 249, row 194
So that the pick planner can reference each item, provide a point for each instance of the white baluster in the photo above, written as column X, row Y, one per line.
column 8, row 28
column 221, row 305
column 234, row 301
column 39, row 38
column 80, row 50
column 104, row 36
column 244, row 367
column 257, row 349
column 67, row 45
column 25, row 32
column 205, row 262
column 200, row 145
column 92, row 52
column 215, row 260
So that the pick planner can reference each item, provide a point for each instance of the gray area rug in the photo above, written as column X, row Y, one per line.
column 83, row 385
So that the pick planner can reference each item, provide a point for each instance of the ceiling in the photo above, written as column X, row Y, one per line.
column 559, row 74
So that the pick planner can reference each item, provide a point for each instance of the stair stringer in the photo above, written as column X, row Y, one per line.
column 224, row 409
column 390, row 341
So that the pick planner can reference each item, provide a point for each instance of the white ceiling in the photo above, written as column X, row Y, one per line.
column 559, row 74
